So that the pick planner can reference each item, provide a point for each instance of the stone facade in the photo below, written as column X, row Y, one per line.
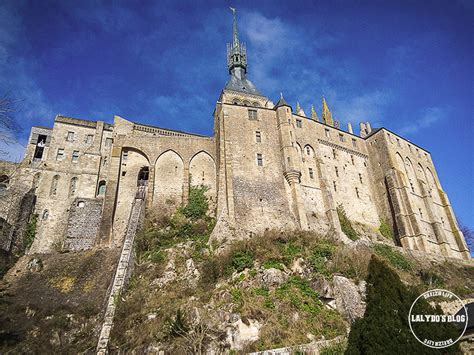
column 266, row 166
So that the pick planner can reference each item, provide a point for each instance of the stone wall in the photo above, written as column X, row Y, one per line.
column 83, row 224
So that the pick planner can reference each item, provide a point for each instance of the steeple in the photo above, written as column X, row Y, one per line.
column 326, row 114
column 236, row 52
column 314, row 115
column 237, row 64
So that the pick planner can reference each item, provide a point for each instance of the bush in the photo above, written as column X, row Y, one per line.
column 178, row 326
column 30, row 231
column 321, row 254
column 395, row 258
column 385, row 230
column 197, row 205
column 242, row 260
column 346, row 225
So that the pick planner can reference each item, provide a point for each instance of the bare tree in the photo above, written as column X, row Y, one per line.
column 8, row 127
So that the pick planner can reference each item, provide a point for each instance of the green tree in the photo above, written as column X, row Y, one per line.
column 384, row 329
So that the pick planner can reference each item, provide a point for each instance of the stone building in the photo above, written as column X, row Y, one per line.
column 267, row 166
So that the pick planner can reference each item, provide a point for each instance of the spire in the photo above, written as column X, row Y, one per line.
column 326, row 114
column 314, row 115
column 236, row 52
column 281, row 102
column 298, row 107
column 235, row 34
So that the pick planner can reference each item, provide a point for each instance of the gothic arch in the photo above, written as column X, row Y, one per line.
column 138, row 151
column 202, row 172
column 308, row 150
column 168, row 183
column 169, row 150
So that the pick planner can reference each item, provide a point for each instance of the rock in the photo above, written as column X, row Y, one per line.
column 349, row 302
column 35, row 265
column 323, row 287
column 151, row 316
column 240, row 334
column 298, row 266
column 192, row 273
column 168, row 276
column 273, row 277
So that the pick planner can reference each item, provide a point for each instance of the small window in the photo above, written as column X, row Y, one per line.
column 334, row 185
column 337, row 171
column 299, row 124
column 357, row 192
column 75, row 155
column 418, row 152
column 421, row 212
column 398, row 142
column 308, row 150
column 360, row 178
column 352, row 159
column 124, row 173
column 45, row 215
column 81, row 204
column 258, row 136
column 259, row 160
column 101, row 188
column 354, row 142
column 73, row 186
column 327, row 133
column 409, row 147
column 89, row 139
column 341, row 137
column 252, row 114
column 70, row 136
column 108, row 142
column 412, row 186
column 54, row 185
column 125, row 155
column 334, row 155
column 60, row 154
column 104, row 162
column 311, row 174
column 442, row 221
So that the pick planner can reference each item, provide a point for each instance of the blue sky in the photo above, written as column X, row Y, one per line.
column 405, row 65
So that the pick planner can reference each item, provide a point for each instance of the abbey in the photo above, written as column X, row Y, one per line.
column 267, row 166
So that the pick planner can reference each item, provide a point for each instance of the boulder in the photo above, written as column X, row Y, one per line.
column 240, row 334
column 349, row 301
column 273, row 277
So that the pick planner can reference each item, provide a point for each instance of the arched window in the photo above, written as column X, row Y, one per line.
column 45, row 215
column 4, row 181
column 101, row 188
column 143, row 176
column 73, row 186
column 308, row 150
column 236, row 102
column 54, row 185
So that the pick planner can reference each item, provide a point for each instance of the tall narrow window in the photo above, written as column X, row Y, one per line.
column 327, row 133
column 299, row 124
column 258, row 137
column 354, row 143
column 125, row 155
column 398, row 142
column 409, row 147
column 442, row 221
column 259, row 159
column 360, row 178
column 73, row 187
column 54, row 185
column 252, row 115
column 341, row 137
column 421, row 212
column 412, row 186
column 75, row 155
column 334, row 185
column 352, row 159
column 311, row 175
column 334, row 155
column 357, row 192
column 60, row 154
column 70, row 136
column 337, row 171
column 101, row 188
column 89, row 138
column 308, row 150
column 104, row 162
column 45, row 215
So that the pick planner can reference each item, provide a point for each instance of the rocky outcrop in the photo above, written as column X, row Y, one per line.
column 349, row 297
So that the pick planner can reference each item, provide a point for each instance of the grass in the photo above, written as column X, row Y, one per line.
column 30, row 231
column 394, row 258
column 385, row 230
column 346, row 225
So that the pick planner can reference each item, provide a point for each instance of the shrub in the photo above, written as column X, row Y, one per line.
column 346, row 225
column 395, row 258
column 242, row 259
column 322, row 252
column 178, row 326
column 30, row 231
column 385, row 230
column 197, row 205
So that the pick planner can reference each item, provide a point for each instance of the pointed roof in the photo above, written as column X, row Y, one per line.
column 282, row 102
column 314, row 115
column 326, row 114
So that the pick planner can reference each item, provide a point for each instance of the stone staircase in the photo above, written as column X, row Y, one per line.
column 123, row 269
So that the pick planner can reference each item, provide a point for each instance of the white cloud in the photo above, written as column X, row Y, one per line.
column 429, row 117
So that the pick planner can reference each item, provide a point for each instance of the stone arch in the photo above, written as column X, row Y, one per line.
column 134, row 151
column 410, row 171
column 256, row 104
column 420, row 172
column 246, row 103
column 202, row 172
column 236, row 101
column 168, row 182
column 400, row 165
